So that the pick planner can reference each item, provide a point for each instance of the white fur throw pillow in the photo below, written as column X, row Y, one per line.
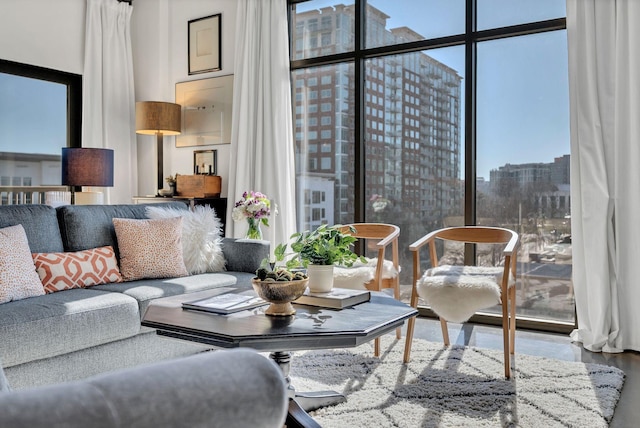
column 201, row 240
column 457, row 292
column 360, row 273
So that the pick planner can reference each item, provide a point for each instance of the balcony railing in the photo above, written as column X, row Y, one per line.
column 18, row 195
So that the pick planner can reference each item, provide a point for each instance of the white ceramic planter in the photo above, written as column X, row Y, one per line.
column 320, row 278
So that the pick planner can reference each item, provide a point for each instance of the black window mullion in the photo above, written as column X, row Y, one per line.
column 359, row 109
column 470, row 126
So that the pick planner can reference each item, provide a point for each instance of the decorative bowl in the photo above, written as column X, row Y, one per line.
column 280, row 294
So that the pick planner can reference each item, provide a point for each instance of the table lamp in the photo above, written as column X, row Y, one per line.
column 159, row 118
column 87, row 167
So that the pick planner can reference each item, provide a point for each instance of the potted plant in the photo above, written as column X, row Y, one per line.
column 321, row 249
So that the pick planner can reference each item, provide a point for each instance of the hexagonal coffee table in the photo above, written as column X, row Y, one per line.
column 310, row 328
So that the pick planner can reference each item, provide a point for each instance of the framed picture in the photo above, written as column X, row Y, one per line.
column 206, row 111
column 205, row 162
column 205, row 44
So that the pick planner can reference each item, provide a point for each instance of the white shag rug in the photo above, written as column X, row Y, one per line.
column 455, row 387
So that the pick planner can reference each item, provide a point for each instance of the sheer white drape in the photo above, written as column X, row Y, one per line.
column 262, row 152
column 604, row 86
column 108, row 95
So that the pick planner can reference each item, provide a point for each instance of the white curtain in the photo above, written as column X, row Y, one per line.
column 108, row 116
column 262, row 152
column 604, row 85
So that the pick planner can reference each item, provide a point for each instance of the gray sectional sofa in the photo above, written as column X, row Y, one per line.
column 77, row 333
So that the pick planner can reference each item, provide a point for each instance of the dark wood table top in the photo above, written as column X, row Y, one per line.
column 310, row 328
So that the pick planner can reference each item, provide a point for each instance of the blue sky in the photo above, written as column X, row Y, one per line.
column 33, row 115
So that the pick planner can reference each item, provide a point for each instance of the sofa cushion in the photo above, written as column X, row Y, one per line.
column 90, row 226
column 150, row 248
column 4, row 383
column 201, row 240
column 145, row 290
column 18, row 277
column 40, row 225
column 58, row 323
column 63, row 271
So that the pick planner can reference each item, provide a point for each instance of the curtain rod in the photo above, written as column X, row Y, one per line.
column 125, row 1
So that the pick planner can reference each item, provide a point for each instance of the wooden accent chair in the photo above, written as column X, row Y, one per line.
column 384, row 273
column 448, row 289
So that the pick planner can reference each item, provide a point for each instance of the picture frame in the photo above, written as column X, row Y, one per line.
column 205, row 162
column 205, row 44
column 206, row 111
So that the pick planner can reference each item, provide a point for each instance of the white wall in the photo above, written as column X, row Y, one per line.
column 50, row 33
column 45, row 33
column 159, row 39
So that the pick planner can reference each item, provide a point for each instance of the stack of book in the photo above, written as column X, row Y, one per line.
column 337, row 298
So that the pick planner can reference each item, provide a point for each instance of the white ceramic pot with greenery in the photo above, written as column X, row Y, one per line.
column 320, row 278
column 324, row 248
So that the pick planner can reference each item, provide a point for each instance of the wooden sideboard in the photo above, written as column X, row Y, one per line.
column 218, row 204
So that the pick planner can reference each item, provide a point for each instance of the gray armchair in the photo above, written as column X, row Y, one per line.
column 237, row 388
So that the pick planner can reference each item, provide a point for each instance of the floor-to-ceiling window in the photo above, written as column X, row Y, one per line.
column 432, row 113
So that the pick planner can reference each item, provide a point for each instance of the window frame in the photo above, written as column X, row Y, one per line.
column 72, row 81
column 469, row 40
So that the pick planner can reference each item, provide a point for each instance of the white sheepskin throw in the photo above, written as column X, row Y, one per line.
column 359, row 274
column 201, row 240
column 455, row 293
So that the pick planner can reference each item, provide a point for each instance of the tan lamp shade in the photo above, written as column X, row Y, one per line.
column 153, row 117
column 159, row 119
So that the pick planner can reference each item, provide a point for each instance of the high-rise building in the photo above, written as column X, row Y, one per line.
column 560, row 170
column 412, row 114
column 556, row 172
column 546, row 183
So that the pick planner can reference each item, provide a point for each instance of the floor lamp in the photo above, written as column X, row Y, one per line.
column 159, row 119
column 87, row 167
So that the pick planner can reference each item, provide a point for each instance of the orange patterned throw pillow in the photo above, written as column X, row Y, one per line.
column 150, row 248
column 18, row 277
column 63, row 271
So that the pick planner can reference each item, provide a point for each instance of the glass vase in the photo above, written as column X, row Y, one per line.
column 254, row 231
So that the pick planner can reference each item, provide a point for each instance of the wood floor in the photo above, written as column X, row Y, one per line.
column 550, row 345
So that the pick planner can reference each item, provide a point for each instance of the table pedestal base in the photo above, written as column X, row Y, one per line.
column 311, row 401
column 302, row 402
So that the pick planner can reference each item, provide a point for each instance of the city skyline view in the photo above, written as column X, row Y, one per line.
column 505, row 133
